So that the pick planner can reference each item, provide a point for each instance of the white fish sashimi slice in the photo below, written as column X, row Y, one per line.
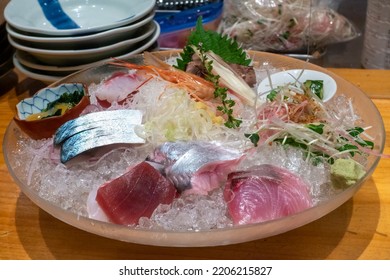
column 118, row 87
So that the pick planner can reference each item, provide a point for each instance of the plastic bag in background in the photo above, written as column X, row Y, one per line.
column 331, row 4
column 285, row 25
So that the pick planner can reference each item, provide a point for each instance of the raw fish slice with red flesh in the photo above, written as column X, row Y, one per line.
column 263, row 193
column 135, row 194
column 196, row 167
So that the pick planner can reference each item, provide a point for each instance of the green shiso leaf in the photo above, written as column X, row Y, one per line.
column 223, row 46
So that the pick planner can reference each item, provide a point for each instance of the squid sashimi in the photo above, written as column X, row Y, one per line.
column 196, row 167
column 264, row 193
column 118, row 87
column 135, row 194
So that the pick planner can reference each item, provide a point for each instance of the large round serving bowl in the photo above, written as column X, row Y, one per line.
column 231, row 235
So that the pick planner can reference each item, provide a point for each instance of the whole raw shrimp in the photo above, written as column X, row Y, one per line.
column 196, row 86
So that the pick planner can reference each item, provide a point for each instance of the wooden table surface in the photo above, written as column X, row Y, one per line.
column 359, row 229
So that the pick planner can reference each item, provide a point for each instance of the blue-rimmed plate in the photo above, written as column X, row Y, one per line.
column 74, row 17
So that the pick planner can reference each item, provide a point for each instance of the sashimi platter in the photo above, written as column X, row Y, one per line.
column 209, row 145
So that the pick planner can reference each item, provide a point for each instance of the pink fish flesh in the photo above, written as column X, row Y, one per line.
column 135, row 194
column 264, row 193
column 118, row 87
column 196, row 167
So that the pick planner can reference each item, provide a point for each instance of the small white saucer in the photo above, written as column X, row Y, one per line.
column 293, row 76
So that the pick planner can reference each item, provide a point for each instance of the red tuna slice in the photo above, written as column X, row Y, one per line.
column 135, row 194
column 118, row 87
column 264, row 193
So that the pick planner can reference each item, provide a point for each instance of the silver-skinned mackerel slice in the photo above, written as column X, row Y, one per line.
column 96, row 130
column 96, row 138
column 195, row 167
column 95, row 120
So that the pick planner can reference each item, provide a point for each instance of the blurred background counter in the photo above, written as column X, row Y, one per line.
column 241, row 20
column 286, row 23
column 348, row 54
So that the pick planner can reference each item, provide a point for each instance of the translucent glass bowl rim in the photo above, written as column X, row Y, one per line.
column 214, row 237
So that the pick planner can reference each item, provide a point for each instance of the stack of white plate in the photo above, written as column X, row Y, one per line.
column 54, row 38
